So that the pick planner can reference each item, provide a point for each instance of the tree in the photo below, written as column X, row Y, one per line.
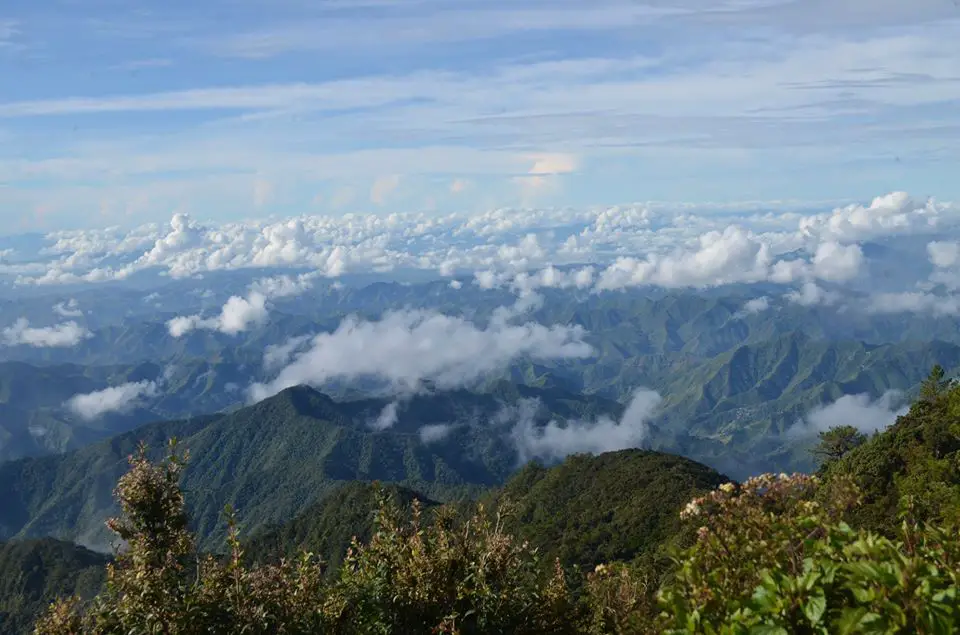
column 935, row 384
column 836, row 442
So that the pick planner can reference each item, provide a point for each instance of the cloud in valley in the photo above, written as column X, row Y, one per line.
column 237, row 315
column 90, row 406
column 63, row 335
column 860, row 411
column 386, row 419
column 405, row 348
column 434, row 432
column 555, row 441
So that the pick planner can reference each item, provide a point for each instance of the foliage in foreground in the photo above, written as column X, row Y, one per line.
column 768, row 558
column 774, row 555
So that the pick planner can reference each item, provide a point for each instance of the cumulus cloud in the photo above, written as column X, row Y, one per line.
column 237, row 315
column 859, row 411
column 812, row 295
column 553, row 278
column 892, row 214
column 63, row 335
column 652, row 244
column 240, row 314
column 90, row 406
column 944, row 254
column 284, row 286
column 733, row 255
column 555, row 441
column 70, row 308
column 756, row 305
column 837, row 263
column 405, row 348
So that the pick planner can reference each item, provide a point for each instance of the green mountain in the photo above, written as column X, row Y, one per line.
column 615, row 506
column 33, row 573
column 328, row 527
column 35, row 419
column 272, row 460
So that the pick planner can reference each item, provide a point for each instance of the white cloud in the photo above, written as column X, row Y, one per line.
column 70, row 308
column 63, row 335
column 284, row 286
column 834, row 262
column 812, row 295
column 554, row 278
column 275, row 356
column 607, row 248
column 237, row 315
column 915, row 302
column 944, row 254
column 893, row 214
column 386, row 419
column 405, row 348
column 240, row 314
column 434, row 432
column 554, row 442
column 859, row 411
column 733, row 255
column 120, row 398
column 756, row 305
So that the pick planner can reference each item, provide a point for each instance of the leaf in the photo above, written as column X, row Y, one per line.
column 814, row 609
column 768, row 629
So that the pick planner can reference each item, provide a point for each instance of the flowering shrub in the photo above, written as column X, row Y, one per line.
column 774, row 555
column 770, row 558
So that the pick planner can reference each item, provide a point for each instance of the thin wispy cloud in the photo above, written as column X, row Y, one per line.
column 663, row 106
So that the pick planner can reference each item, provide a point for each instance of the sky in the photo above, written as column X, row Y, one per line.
column 126, row 112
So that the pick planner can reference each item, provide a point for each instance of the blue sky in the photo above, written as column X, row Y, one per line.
column 120, row 112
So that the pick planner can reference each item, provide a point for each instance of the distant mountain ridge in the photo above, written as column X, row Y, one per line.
column 273, row 459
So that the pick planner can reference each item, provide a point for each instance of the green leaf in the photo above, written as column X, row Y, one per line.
column 814, row 609
column 768, row 629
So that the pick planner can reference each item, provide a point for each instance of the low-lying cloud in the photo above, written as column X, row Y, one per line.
column 70, row 308
column 239, row 313
column 405, row 348
column 860, row 411
column 386, row 419
column 63, row 335
column 554, row 442
column 122, row 398
column 434, row 432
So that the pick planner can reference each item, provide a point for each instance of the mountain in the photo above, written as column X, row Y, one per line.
column 272, row 460
column 615, row 506
column 327, row 527
column 33, row 573
column 35, row 418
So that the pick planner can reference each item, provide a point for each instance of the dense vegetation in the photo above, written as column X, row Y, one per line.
column 273, row 460
column 615, row 506
column 868, row 545
column 33, row 573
